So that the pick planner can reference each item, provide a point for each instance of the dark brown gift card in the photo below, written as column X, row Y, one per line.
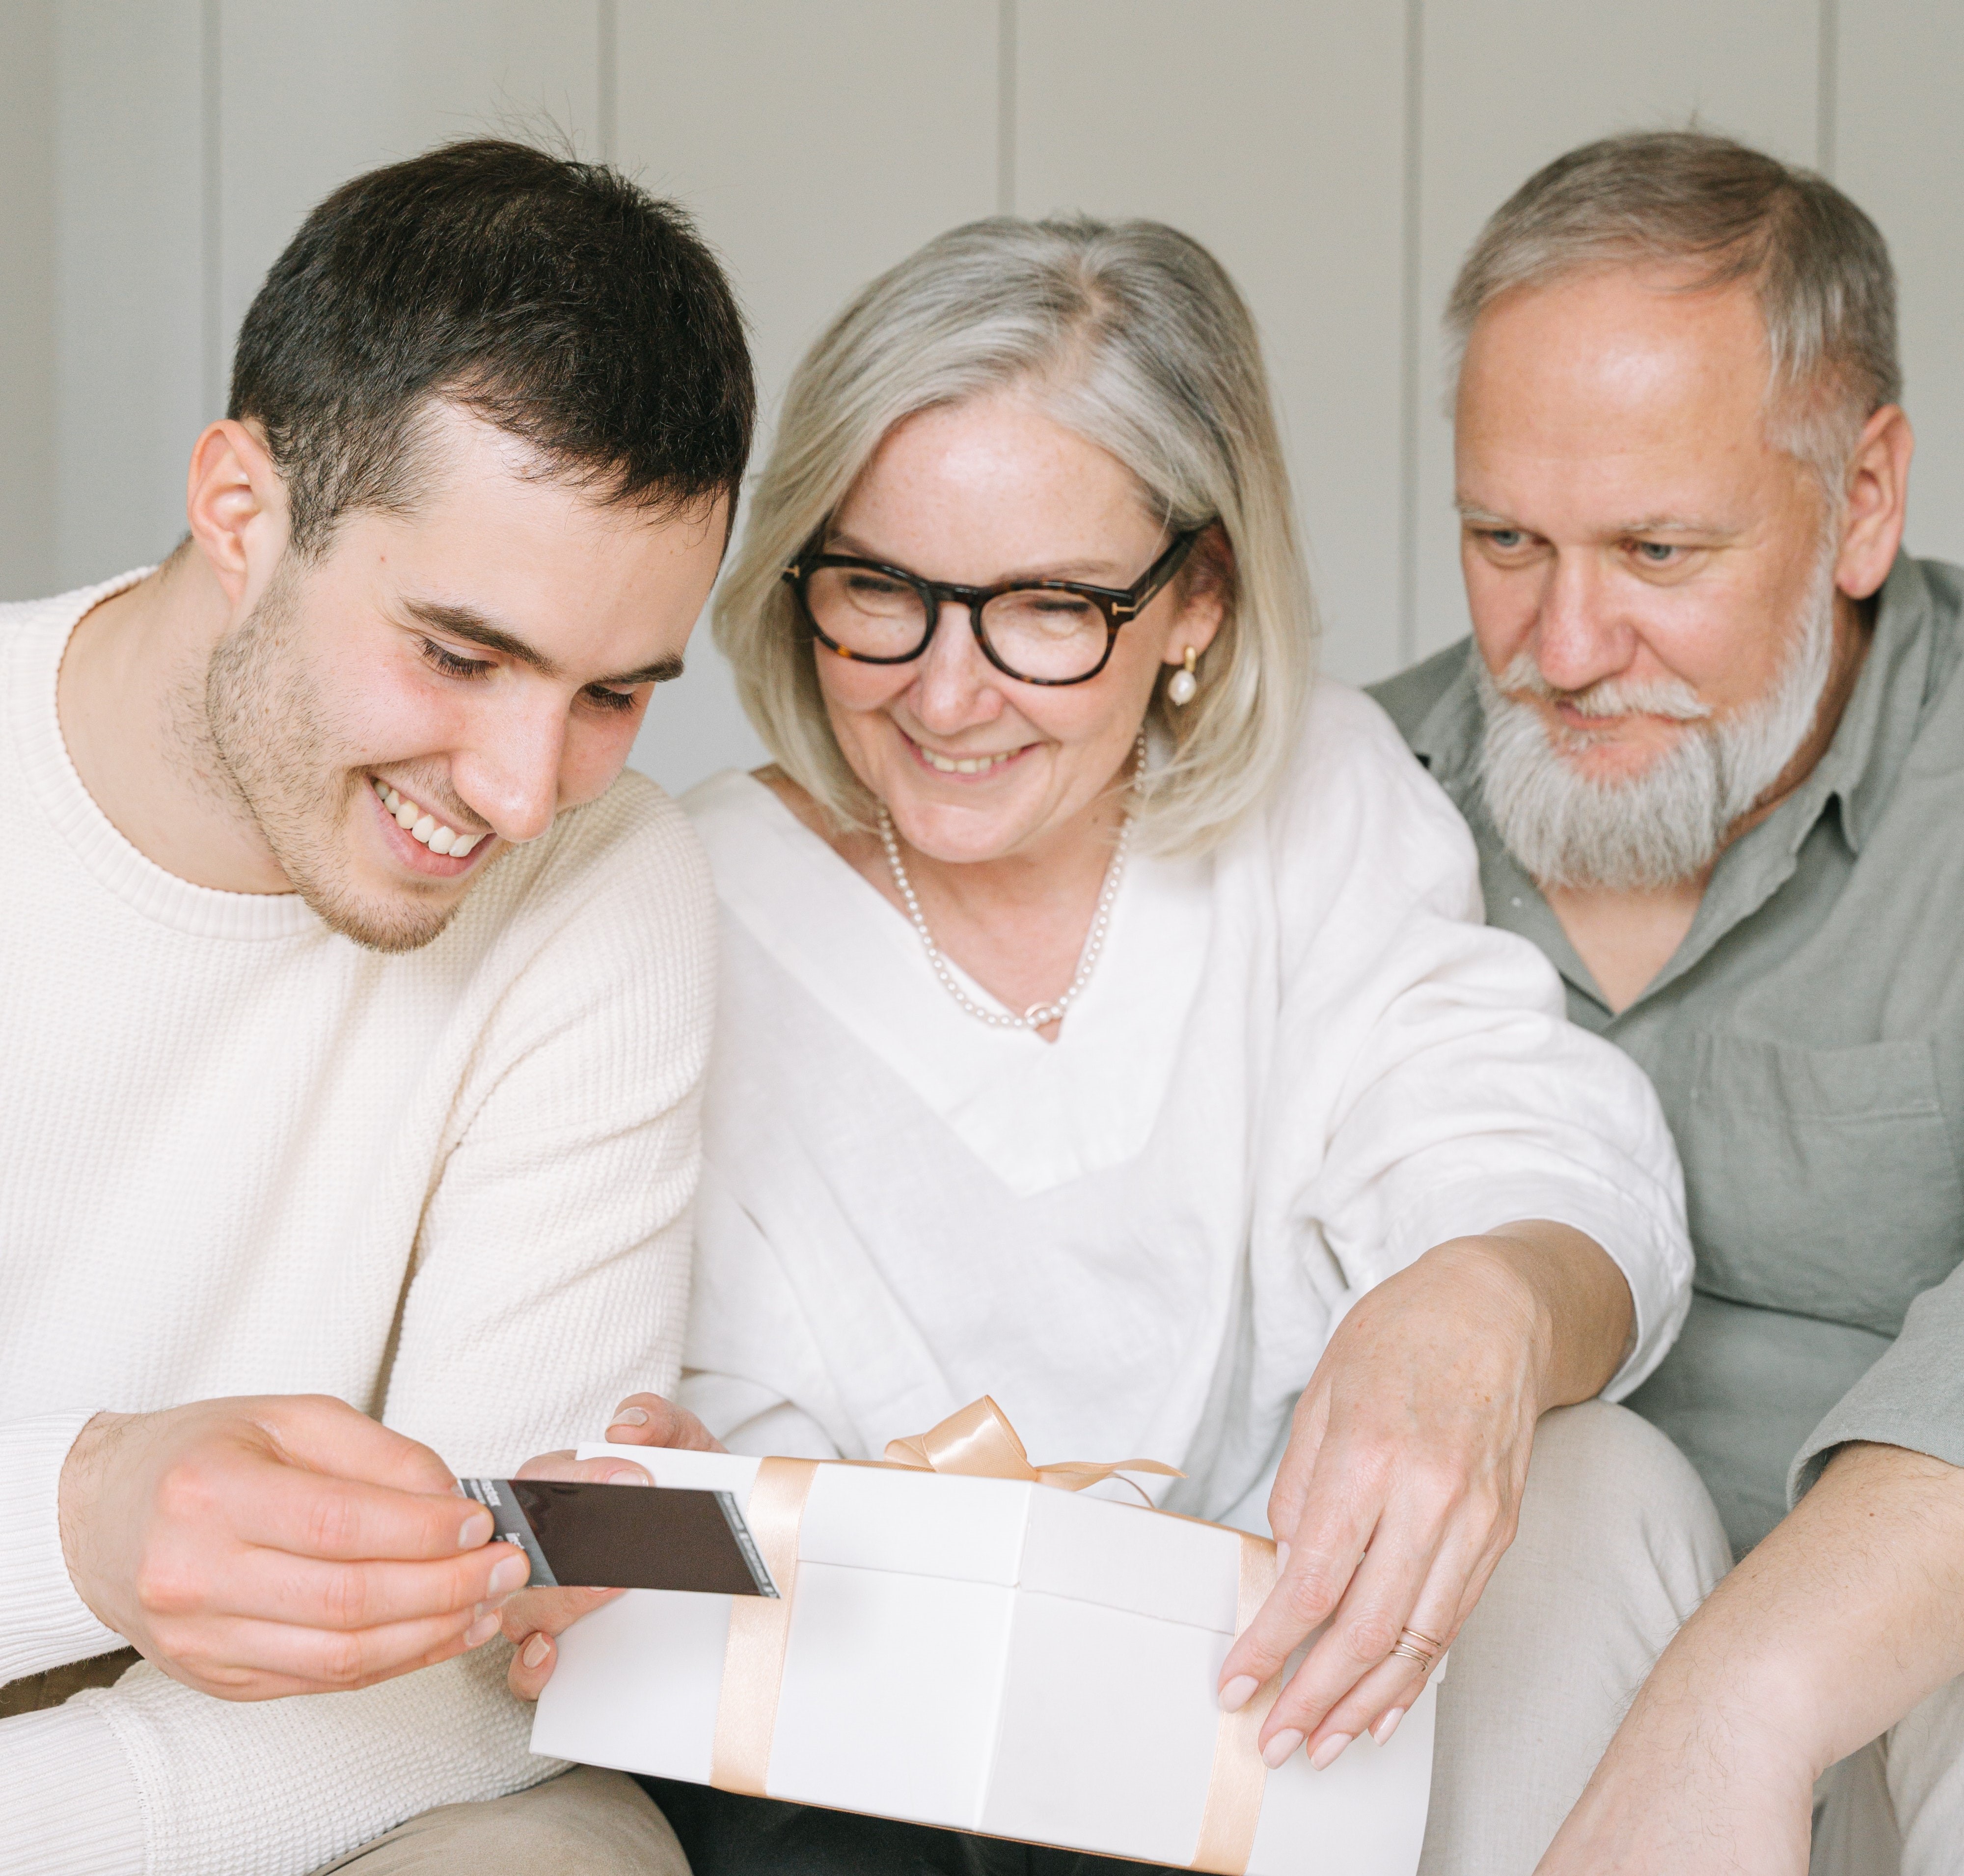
column 616, row 1536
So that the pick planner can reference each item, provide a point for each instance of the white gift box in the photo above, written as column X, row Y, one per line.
column 988, row 1655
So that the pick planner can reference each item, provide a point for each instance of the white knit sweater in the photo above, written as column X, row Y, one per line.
column 242, row 1154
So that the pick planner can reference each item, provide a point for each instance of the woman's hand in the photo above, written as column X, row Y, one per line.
column 1402, row 1480
column 534, row 1618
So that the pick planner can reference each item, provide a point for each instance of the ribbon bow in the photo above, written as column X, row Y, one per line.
column 979, row 1441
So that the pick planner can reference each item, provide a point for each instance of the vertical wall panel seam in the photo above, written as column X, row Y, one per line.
column 1409, row 376
column 607, row 91
column 211, row 74
column 1827, row 99
column 1005, row 106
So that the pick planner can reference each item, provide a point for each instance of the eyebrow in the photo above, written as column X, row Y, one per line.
column 465, row 622
column 1678, row 524
column 1649, row 524
column 1090, row 572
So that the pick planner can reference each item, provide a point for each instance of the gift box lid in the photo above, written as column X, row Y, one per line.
column 1011, row 1533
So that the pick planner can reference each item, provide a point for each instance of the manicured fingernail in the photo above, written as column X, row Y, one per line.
column 626, row 1474
column 630, row 1417
column 512, row 1572
column 1387, row 1724
column 476, row 1530
column 1331, row 1750
column 480, row 1632
column 1278, row 1749
column 1238, row 1692
column 1282, row 1557
column 536, row 1650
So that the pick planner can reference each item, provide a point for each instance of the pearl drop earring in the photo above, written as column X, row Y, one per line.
column 1181, row 687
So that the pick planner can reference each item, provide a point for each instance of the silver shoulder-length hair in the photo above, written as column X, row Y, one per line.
column 1131, row 335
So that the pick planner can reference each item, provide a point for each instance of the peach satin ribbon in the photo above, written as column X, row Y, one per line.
column 978, row 1442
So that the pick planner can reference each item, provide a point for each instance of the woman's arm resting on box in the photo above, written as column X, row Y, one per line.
column 534, row 1618
column 1402, row 1479
column 1845, row 1618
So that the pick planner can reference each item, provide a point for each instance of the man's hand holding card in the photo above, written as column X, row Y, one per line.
column 277, row 1544
column 534, row 1617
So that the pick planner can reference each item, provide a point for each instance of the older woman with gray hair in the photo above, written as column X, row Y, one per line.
column 1108, row 1025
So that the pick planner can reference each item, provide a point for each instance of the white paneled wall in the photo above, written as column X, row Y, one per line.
column 1899, row 148
column 1338, row 155
column 138, row 357
column 27, row 298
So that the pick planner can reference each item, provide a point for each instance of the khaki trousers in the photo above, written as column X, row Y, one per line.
column 1619, row 1544
column 584, row 1822
column 1896, row 1808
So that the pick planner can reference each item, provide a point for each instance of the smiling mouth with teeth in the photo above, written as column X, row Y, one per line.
column 965, row 764
column 423, row 826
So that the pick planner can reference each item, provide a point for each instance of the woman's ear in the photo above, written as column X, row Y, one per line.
column 235, row 504
column 1206, row 588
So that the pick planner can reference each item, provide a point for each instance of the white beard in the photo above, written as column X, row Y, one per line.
column 1668, row 824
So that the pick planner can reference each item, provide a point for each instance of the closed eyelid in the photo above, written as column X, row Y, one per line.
column 435, row 648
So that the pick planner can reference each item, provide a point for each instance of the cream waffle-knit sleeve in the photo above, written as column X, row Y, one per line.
column 550, row 1278
column 44, row 1624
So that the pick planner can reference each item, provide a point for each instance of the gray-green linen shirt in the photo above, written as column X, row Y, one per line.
column 1807, row 1040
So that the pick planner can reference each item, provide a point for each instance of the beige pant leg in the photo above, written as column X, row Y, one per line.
column 1619, row 1544
column 1855, row 1819
column 584, row 1822
column 1897, row 1805
column 1924, row 1755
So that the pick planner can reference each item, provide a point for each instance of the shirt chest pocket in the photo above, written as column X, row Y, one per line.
column 1820, row 1181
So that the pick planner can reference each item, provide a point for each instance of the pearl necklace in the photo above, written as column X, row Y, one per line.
column 1038, row 1014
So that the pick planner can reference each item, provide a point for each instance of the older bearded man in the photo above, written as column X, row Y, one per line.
column 1709, row 735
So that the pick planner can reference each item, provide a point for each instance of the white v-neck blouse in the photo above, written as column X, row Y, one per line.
column 1302, row 1061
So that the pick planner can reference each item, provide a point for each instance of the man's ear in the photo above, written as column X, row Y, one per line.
column 1875, row 501
column 236, row 505
column 1206, row 591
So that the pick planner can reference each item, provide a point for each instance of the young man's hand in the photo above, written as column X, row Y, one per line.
column 277, row 1544
column 534, row 1618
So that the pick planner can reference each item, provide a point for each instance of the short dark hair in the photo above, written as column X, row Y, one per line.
column 554, row 299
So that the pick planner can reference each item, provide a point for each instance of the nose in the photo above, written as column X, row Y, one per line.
column 955, row 684
column 510, row 772
column 1577, row 639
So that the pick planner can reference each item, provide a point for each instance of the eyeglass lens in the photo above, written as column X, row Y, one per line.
column 1035, row 632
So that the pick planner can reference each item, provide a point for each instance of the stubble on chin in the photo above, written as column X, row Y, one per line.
column 263, row 735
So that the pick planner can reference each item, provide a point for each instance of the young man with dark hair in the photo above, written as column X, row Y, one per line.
column 354, row 1004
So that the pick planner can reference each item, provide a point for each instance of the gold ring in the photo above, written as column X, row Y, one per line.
column 1410, row 1648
